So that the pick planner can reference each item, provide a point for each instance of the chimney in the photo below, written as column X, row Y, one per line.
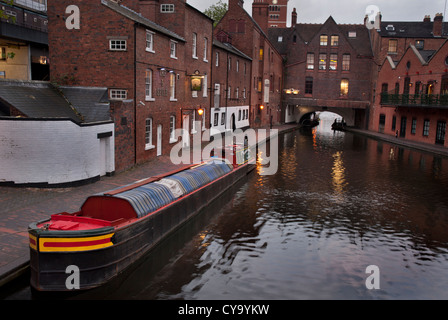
column 293, row 18
column 149, row 9
column 260, row 13
column 234, row 3
column 437, row 26
column 427, row 18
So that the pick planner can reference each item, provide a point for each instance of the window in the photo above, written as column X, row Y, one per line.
column 244, row 93
column 3, row 53
column 148, row 86
column 237, row 65
column 352, row 34
column 322, row 61
column 173, row 49
column 280, row 39
column 310, row 61
column 173, row 129
column 333, row 61
column 393, row 46
column 205, row 49
column 237, row 93
column 117, row 45
column 414, row 126
column 167, row 8
column 217, row 59
column 195, row 38
column 148, row 134
column 394, row 123
column 223, row 118
column 261, row 54
column 344, row 87
column 215, row 119
column 308, row 85
column 420, row 44
column 346, row 62
column 204, row 86
column 149, row 41
column 323, row 40
column 217, row 95
column 230, row 63
column 334, row 41
column 118, row 94
column 229, row 92
column 426, row 127
column 173, row 87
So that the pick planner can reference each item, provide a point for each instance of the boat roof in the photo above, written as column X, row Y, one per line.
column 149, row 195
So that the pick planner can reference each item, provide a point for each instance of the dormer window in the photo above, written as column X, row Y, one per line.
column 390, row 27
column 167, row 8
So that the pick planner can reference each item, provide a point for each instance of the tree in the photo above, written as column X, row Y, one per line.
column 3, row 14
column 216, row 11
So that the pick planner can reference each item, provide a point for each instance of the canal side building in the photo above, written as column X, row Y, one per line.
column 24, row 40
column 328, row 68
column 231, row 75
column 249, row 35
column 412, row 96
column 146, row 53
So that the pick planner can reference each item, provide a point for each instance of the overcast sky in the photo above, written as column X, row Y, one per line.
column 349, row 11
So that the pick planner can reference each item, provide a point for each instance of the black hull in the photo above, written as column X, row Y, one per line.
column 130, row 243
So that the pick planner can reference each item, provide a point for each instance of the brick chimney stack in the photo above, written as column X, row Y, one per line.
column 437, row 26
column 293, row 18
column 260, row 13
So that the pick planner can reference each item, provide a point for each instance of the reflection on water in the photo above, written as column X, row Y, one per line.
column 338, row 203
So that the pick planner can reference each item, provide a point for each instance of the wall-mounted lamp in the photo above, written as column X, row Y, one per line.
column 292, row 91
column 200, row 111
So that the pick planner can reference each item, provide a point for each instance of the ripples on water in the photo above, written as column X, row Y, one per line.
column 338, row 204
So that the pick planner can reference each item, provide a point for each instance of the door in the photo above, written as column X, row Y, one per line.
column 440, row 133
column 159, row 140
column 403, row 127
column 185, row 131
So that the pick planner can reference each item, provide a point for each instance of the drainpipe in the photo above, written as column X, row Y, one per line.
column 135, row 93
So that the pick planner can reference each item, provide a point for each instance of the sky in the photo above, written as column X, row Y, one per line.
column 349, row 11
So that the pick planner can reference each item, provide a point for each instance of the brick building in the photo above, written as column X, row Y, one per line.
column 328, row 67
column 412, row 81
column 146, row 53
column 24, row 40
column 231, row 81
column 278, row 13
column 412, row 96
column 249, row 34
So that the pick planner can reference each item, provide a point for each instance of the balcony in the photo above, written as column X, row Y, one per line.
column 439, row 101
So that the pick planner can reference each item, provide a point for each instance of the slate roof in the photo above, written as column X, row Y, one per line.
column 230, row 48
column 306, row 32
column 92, row 103
column 406, row 29
column 41, row 100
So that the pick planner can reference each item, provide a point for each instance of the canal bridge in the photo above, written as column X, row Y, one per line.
column 355, row 113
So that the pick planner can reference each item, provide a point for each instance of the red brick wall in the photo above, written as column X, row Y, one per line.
column 410, row 66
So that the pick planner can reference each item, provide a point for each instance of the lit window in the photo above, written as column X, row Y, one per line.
column 323, row 40
column 393, row 46
column 173, row 87
column 172, row 129
column 310, row 61
column 334, row 41
column 344, row 87
column 322, row 61
column 333, row 61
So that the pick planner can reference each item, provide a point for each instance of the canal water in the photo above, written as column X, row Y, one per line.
column 338, row 204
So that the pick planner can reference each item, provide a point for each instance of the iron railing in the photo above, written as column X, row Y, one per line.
column 423, row 100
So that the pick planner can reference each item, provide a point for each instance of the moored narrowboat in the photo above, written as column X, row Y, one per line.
column 116, row 228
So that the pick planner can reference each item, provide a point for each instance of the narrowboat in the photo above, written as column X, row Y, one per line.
column 116, row 228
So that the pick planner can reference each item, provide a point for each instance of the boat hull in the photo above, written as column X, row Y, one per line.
column 101, row 254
